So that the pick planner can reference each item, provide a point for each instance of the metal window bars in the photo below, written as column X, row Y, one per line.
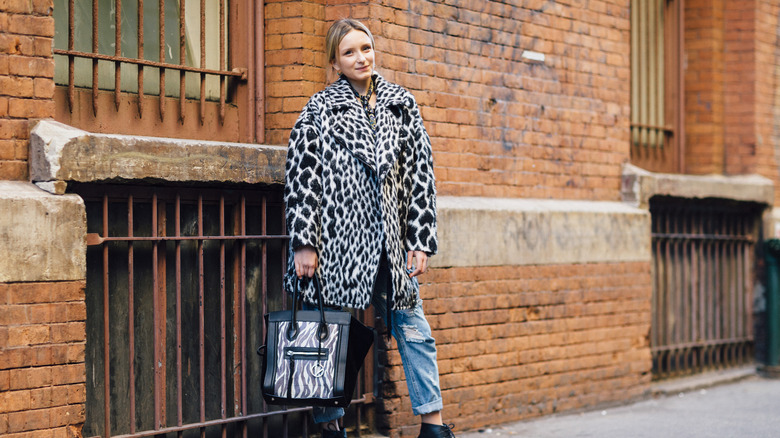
column 703, row 276
column 206, row 63
column 177, row 282
column 656, row 84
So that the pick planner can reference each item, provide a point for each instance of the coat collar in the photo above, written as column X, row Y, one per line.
column 340, row 94
column 383, row 153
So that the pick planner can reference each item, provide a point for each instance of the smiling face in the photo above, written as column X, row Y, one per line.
column 355, row 57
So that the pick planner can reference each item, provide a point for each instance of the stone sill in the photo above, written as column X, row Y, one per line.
column 43, row 235
column 60, row 154
column 500, row 231
column 639, row 185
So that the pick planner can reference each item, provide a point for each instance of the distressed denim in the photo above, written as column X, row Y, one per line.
column 418, row 354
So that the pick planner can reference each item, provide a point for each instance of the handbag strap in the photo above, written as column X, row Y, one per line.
column 323, row 330
column 292, row 330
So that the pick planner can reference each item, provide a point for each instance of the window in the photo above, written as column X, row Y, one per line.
column 178, row 281
column 656, row 85
column 155, row 67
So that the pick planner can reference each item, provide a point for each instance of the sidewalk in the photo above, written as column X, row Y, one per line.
column 735, row 403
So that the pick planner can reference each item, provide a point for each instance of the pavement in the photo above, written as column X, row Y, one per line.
column 734, row 403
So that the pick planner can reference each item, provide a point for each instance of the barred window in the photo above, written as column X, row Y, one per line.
column 152, row 60
column 656, row 84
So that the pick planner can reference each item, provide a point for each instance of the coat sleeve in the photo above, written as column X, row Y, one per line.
column 303, row 176
column 421, row 218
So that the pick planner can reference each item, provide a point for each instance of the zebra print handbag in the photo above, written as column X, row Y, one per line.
column 312, row 357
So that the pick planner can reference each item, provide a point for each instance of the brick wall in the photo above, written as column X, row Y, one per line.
column 294, row 60
column 704, row 85
column 295, row 56
column 500, row 125
column 41, row 323
column 740, row 87
column 42, row 338
column 767, row 92
column 26, row 78
column 514, row 341
column 519, row 342
column 732, row 50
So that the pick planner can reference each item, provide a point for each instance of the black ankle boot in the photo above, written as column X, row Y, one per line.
column 329, row 433
column 436, row 431
column 334, row 433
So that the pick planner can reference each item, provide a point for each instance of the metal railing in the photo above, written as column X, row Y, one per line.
column 178, row 280
column 703, row 269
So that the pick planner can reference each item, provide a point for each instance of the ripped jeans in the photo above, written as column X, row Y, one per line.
column 418, row 355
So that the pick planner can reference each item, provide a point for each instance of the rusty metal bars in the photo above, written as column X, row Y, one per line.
column 118, row 53
column 215, row 228
column 106, row 326
column 703, row 257
column 141, row 56
column 222, row 71
column 656, row 84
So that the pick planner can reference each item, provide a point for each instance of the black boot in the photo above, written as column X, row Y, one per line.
column 334, row 433
column 436, row 431
column 329, row 433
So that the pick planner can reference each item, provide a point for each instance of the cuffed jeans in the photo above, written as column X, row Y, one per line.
column 418, row 355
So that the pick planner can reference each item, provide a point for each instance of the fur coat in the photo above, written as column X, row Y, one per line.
column 350, row 193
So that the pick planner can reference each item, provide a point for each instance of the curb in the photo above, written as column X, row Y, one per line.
column 700, row 381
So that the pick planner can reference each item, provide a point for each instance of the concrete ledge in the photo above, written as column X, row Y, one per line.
column 639, row 185
column 704, row 380
column 42, row 236
column 60, row 153
column 493, row 232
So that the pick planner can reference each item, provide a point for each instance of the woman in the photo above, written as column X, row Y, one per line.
column 361, row 210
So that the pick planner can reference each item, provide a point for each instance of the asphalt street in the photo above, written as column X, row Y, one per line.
column 749, row 407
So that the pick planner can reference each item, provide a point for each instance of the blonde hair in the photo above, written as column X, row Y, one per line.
column 338, row 31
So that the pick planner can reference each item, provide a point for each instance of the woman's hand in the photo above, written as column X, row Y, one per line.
column 422, row 262
column 305, row 261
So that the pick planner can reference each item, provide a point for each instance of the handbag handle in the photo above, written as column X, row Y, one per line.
column 292, row 330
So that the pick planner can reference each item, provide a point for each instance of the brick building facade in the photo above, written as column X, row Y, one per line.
column 542, row 298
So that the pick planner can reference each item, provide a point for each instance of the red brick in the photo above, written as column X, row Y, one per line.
column 69, row 374
column 13, row 170
column 19, row 336
column 13, row 129
column 16, row 6
column 76, row 311
column 70, row 332
column 5, row 376
column 16, row 86
column 31, row 66
column 42, row 46
column 43, row 7
column 30, row 108
column 47, row 397
column 76, row 352
column 12, row 315
column 31, row 25
column 14, row 401
column 7, row 152
column 22, row 149
column 65, row 415
column 65, row 291
column 43, row 88
column 26, row 378
column 29, row 420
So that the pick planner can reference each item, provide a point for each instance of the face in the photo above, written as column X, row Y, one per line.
column 355, row 57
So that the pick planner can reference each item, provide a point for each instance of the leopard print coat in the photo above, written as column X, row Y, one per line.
column 350, row 193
